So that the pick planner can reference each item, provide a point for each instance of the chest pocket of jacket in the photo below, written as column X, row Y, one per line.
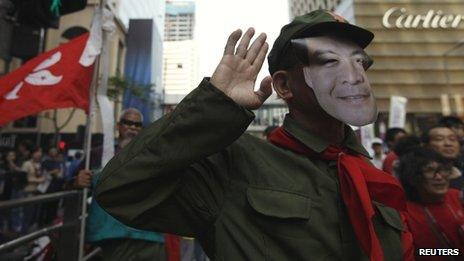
column 279, row 212
column 388, row 226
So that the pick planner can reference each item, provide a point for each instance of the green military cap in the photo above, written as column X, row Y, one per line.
column 315, row 23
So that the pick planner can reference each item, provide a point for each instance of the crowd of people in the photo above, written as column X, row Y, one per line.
column 28, row 171
column 429, row 168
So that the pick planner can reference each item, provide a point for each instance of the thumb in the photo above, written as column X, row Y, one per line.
column 265, row 89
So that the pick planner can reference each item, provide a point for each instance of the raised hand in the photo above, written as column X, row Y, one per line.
column 236, row 73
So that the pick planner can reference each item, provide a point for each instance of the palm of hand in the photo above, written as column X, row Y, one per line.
column 236, row 73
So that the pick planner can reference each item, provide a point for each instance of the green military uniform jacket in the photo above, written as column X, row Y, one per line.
column 195, row 173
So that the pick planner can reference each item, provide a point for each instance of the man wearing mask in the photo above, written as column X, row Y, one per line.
column 308, row 194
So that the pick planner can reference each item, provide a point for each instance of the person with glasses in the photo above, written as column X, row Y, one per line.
column 118, row 241
column 445, row 141
column 436, row 217
column 129, row 125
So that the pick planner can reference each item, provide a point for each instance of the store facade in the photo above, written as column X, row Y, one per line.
column 418, row 53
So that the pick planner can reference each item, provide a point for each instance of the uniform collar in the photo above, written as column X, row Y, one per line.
column 314, row 142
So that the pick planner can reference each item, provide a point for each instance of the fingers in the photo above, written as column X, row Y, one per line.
column 258, row 62
column 255, row 48
column 85, row 172
column 243, row 45
column 84, row 184
column 232, row 41
column 265, row 89
column 83, row 179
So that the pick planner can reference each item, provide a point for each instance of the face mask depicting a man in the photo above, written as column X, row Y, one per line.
column 335, row 69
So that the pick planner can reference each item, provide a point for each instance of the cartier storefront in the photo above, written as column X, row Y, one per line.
column 419, row 54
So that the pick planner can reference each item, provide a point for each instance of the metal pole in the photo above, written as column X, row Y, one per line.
column 88, row 143
column 87, row 149
column 92, row 254
column 42, row 40
column 42, row 48
column 21, row 240
column 8, row 204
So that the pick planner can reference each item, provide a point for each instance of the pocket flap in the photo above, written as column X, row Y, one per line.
column 390, row 216
column 281, row 204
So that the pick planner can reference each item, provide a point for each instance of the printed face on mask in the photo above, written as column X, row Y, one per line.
column 335, row 69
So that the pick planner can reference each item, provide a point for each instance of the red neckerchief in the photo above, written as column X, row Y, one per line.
column 360, row 183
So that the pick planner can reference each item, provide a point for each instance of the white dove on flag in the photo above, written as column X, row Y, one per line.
column 39, row 76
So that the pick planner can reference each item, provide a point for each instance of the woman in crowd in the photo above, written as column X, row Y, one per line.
column 36, row 181
column 436, row 211
column 35, row 176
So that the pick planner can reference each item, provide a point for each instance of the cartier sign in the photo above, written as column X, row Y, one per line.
column 400, row 17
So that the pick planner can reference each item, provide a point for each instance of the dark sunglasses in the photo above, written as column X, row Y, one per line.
column 131, row 123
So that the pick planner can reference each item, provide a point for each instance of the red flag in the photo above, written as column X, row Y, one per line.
column 52, row 80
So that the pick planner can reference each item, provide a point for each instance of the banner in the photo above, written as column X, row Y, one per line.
column 367, row 135
column 397, row 117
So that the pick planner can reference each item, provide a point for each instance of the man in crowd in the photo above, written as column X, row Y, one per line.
column 195, row 173
column 73, row 166
column 25, row 148
column 379, row 155
column 445, row 141
column 456, row 125
column 392, row 137
column 120, row 242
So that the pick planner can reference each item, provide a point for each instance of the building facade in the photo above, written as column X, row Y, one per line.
column 179, row 21
column 68, row 122
column 142, row 9
column 155, row 11
column 180, row 65
column 180, row 52
column 300, row 7
column 418, row 54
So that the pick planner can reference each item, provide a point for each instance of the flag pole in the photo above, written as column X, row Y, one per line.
column 87, row 150
column 88, row 145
